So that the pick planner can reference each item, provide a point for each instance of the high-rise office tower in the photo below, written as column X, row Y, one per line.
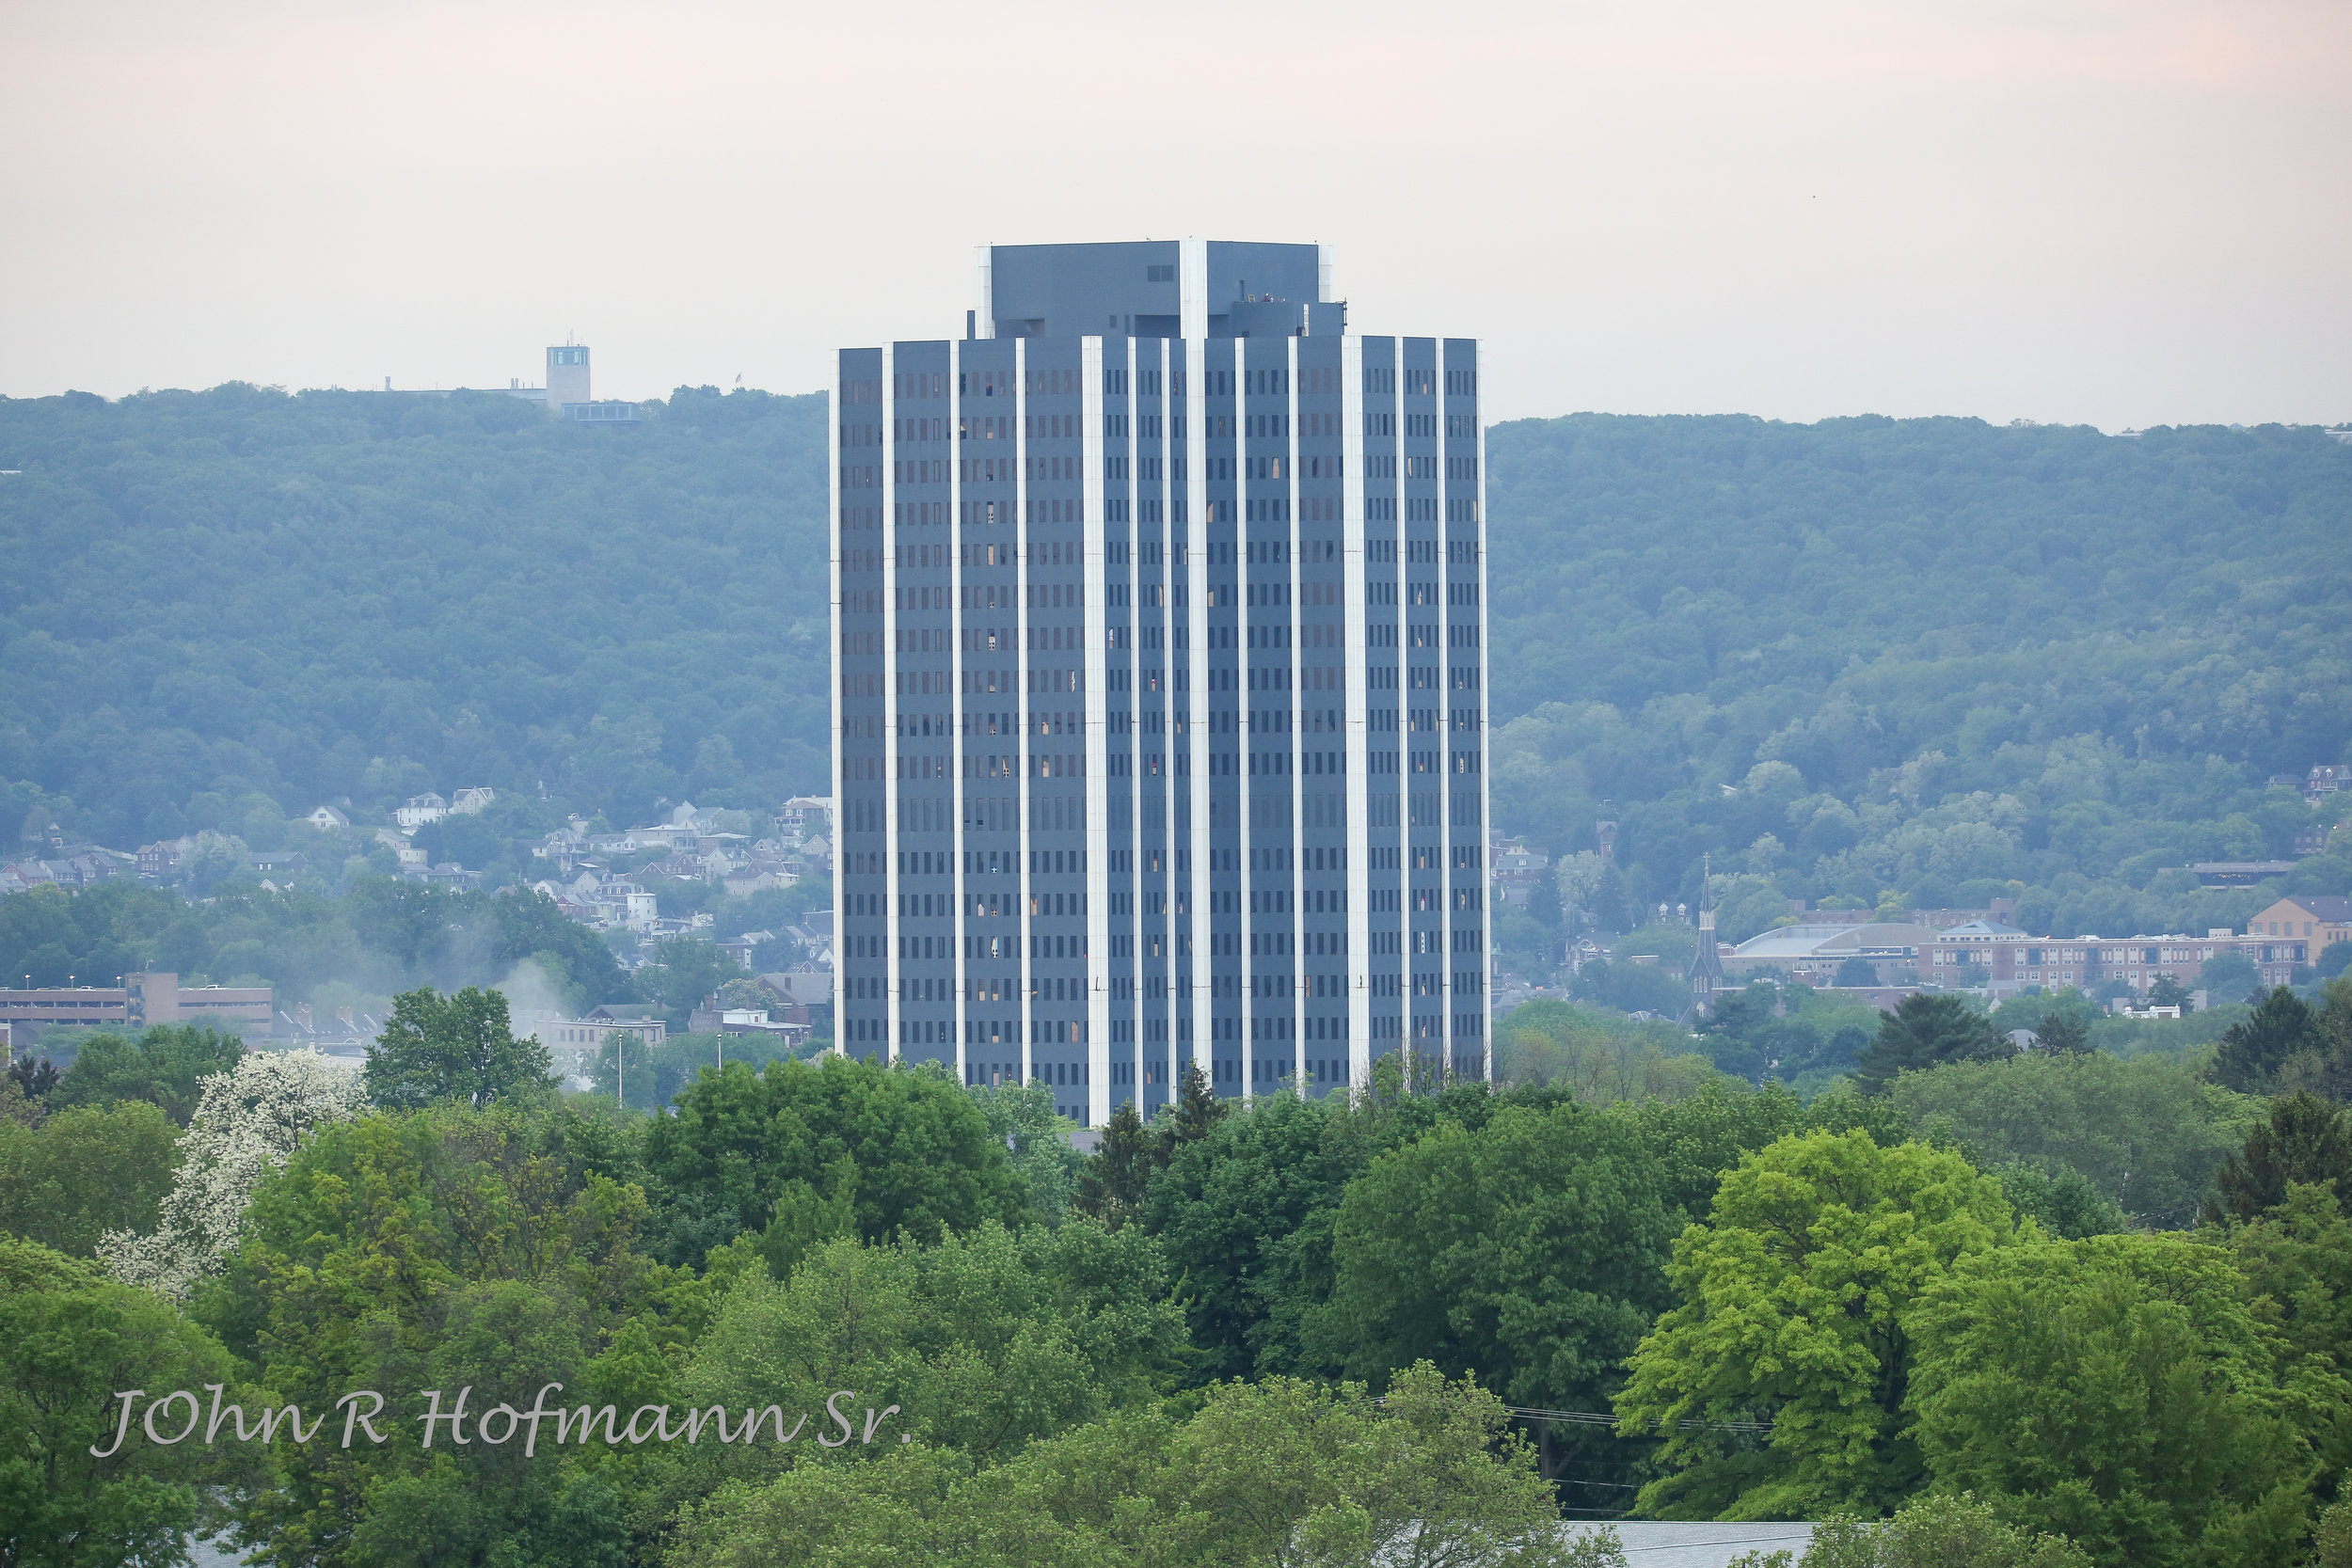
column 1159, row 690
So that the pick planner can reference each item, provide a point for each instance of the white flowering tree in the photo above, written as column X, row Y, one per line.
column 247, row 1123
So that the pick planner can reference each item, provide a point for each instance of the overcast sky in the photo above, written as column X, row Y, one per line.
column 2113, row 212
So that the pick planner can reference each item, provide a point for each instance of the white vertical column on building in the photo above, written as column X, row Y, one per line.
column 1194, row 696
column 1096, row 530
column 1485, row 797
column 1291, row 725
column 1172, row 424
column 1251, row 750
column 840, row 652
column 1447, row 628
column 1392, row 447
column 984, row 322
column 893, row 759
column 1323, row 274
column 1192, row 289
column 958, row 689
column 1357, row 627
column 1022, row 954
column 1130, row 880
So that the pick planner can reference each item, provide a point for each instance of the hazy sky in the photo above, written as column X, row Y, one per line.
column 2118, row 211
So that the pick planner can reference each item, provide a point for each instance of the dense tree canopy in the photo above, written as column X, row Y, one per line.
column 225, row 601
column 459, row 1048
column 2120, row 1392
column 899, row 1150
column 162, row 1066
column 1526, row 1250
column 1795, row 1306
column 2146, row 1133
column 1928, row 1029
column 1931, row 655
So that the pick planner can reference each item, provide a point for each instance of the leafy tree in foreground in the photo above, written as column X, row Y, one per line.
column 2255, row 1051
column 2306, row 1140
column 1796, row 1301
column 1119, row 1172
column 1036, row 1137
column 2296, row 1258
column 2146, row 1131
column 2064, row 1032
column 921, row 1147
column 1572, row 1230
column 436, row 1049
column 1245, row 1213
column 1926, row 1030
column 164, row 1066
column 2119, row 1391
column 1267, row 1475
column 247, row 1124
column 1695, row 1140
column 69, row 1341
column 2059, row 1198
column 440, row 1248
column 1938, row 1530
column 2335, row 1532
column 85, row 1172
column 987, row 1340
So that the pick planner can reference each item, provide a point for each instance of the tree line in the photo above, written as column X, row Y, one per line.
column 2057, row 1301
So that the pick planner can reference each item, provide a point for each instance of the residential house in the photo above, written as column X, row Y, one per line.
column 83, row 868
column 564, row 847
column 797, row 988
column 323, row 817
column 411, row 858
column 160, row 859
column 283, row 865
column 467, row 802
column 1518, row 870
column 805, row 813
column 418, row 809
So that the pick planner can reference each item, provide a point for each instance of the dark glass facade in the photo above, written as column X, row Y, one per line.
column 1160, row 695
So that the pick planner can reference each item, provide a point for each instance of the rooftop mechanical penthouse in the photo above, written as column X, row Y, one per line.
column 1160, row 698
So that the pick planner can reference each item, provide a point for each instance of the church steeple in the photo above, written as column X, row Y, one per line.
column 1706, row 973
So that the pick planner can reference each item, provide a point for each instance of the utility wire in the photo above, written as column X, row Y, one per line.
column 1602, row 1418
column 1595, row 1417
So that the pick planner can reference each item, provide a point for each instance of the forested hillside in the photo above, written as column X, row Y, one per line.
column 207, row 595
column 1928, row 658
column 1933, row 657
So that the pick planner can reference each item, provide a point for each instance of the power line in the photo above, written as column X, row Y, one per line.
column 1602, row 1418
column 1596, row 1417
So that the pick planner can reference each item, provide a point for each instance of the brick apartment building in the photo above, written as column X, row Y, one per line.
column 2011, row 960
